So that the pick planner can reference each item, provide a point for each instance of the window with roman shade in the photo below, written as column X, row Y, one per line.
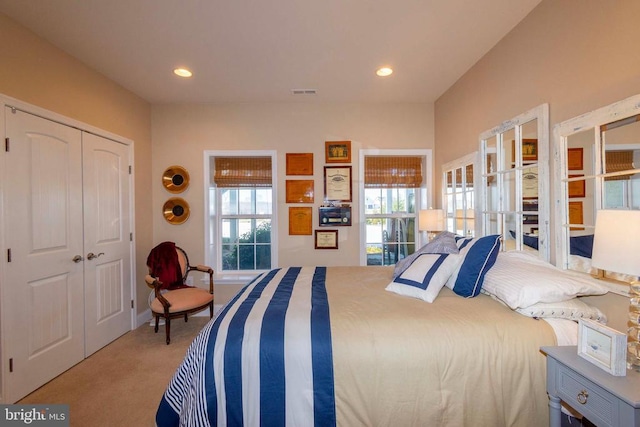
column 618, row 161
column 393, row 184
column 242, row 172
column 393, row 171
column 241, row 211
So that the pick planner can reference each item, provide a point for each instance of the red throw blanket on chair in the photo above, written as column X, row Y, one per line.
column 164, row 265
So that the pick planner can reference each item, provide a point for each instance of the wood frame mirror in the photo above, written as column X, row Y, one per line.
column 598, row 167
column 513, row 197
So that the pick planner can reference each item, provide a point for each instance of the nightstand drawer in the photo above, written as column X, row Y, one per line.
column 587, row 398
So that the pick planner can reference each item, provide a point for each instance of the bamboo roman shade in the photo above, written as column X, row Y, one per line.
column 242, row 172
column 618, row 161
column 392, row 171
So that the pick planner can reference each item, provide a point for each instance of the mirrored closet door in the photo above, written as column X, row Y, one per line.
column 599, row 168
column 514, row 193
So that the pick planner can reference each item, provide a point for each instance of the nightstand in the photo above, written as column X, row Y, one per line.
column 602, row 398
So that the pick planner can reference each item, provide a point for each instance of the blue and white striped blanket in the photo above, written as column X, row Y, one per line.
column 265, row 360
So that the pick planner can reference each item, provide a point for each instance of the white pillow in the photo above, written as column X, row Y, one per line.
column 443, row 243
column 521, row 279
column 425, row 277
column 572, row 309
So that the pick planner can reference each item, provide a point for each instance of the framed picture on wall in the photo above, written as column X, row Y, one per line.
column 337, row 183
column 337, row 151
column 299, row 191
column 326, row 239
column 299, row 163
column 574, row 159
column 300, row 220
column 576, row 188
column 576, row 215
column 529, row 150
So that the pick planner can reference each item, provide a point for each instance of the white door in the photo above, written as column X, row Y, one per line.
column 107, row 236
column 43, row 293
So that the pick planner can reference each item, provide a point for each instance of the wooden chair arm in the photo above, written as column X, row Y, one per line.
column 204, row 269
column 150, row 280
column 156, row 285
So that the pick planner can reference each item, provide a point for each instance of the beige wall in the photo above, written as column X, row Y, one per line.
column 37, row 72
column 181, row 134
column 575, row 55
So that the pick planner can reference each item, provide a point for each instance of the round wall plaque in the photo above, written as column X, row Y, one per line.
column 175, row 179
column 176, row 210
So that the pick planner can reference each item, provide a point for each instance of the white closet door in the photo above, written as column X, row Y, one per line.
column 43, row 310
column 106, row 236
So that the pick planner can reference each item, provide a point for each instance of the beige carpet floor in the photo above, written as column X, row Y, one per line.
column 121, row 384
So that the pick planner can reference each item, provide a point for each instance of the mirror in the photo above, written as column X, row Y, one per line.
column 598, row 155
column 459, row 200
column 515, row 182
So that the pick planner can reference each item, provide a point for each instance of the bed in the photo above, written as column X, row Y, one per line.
column 303, row 346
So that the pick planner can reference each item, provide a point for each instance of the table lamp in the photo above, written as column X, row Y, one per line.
column 431, row 221
column 616, row 248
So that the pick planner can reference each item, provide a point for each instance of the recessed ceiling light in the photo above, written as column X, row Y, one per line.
column 182, row 72
column 384, row 71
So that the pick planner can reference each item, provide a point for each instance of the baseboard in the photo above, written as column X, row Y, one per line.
column 143, row 318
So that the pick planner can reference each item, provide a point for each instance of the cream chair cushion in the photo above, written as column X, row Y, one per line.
column 183, row 299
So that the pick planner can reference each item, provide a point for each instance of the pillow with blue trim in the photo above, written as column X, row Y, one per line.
column 425, row 277
column 442, row 243
column 478, row 256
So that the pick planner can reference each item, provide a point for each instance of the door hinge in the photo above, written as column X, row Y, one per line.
column 6, row 144
column 130, row 169
column 11, row 365
column 132, row 304
column 131, row 237
column 9, row 255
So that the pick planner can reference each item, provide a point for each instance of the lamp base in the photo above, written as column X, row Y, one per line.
column 633, row 333
column 633, row 356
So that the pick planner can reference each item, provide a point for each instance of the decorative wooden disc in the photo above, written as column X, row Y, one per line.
column 175, row 179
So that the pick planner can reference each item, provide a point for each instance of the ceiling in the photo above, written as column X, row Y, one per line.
column 259, row 51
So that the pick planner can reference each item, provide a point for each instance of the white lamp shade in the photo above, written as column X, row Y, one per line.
column 469, row 214
column 431, row 220
column 616, row 243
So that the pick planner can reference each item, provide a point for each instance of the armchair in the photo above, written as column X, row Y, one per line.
column 168, row 271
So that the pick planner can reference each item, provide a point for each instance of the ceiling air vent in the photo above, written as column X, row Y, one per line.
column 303, row 91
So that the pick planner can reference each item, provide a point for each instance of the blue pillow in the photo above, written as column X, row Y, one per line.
column 478, row 256
column 581, row 245
column 425, row 277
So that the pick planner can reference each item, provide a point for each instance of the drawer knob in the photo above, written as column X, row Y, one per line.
column 582, row 397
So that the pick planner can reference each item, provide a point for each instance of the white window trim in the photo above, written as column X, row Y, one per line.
column 217, row 265
column 424, row 195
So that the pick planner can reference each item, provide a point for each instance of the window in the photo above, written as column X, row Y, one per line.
column 240, row 211
column 393, row 191
column 458, row 195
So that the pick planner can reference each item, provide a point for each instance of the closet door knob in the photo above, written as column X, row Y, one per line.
column 91, row 255
column 76, row 259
